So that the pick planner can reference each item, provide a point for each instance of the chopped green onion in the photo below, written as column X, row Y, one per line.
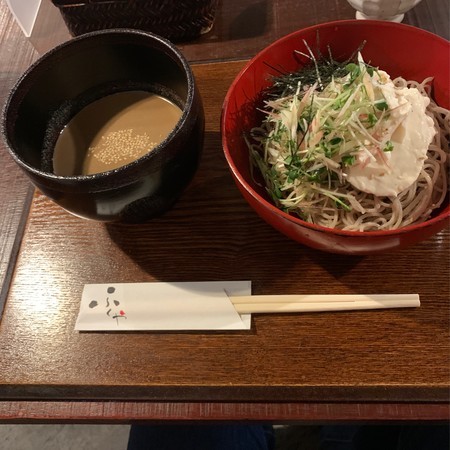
column 292, row 175
column 341, row 204
column 381, row 105
column 352, row 68
column 335, row 141
column 348, row 160
column 372, row 119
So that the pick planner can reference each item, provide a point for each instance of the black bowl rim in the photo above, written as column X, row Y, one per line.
column 127, row 167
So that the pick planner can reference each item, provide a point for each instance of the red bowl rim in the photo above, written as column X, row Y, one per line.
column 271, row 207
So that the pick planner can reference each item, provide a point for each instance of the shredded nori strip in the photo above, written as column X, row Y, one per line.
column 319, row 66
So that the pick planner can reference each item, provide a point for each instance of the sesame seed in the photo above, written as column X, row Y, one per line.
column 121, row 146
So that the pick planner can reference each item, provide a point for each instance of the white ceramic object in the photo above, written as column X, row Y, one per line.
column 392, row 10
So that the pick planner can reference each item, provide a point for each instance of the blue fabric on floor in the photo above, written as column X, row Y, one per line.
column 385, row 437
column 201, row 437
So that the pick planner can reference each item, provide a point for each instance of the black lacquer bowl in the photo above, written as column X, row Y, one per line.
column 72, row 75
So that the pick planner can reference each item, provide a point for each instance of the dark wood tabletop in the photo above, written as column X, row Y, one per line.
column 315, row 367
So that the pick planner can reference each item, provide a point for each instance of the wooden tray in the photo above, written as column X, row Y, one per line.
column 212, row 234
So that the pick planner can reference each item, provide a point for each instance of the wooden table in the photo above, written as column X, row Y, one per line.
column 322, row 367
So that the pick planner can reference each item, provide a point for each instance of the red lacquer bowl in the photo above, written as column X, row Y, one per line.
column 399, row 49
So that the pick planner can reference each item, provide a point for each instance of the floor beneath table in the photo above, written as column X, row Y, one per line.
column 63, row 437
column 115, row 437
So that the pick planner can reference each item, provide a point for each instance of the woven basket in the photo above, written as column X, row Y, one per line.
column 173, row 19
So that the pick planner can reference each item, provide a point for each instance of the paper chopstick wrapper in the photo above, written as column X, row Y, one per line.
column 216, row 305
column 162, row 306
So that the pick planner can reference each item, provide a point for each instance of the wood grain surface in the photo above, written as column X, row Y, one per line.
column 212, row 234
column 327, row 366
column 126, row 412
column 243, row 28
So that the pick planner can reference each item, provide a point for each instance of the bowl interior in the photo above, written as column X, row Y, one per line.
column 79, row 72
column 400, row 50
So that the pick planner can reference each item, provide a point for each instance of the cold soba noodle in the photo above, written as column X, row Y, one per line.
column 113, row 131
column 353, row 149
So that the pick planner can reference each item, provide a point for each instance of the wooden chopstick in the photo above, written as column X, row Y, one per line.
column 309, row 303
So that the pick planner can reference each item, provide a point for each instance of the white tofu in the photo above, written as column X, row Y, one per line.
column 409, row 129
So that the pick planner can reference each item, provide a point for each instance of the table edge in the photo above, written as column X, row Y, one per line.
column 21, row 412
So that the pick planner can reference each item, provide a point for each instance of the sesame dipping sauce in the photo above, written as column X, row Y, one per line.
column 113, row 131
